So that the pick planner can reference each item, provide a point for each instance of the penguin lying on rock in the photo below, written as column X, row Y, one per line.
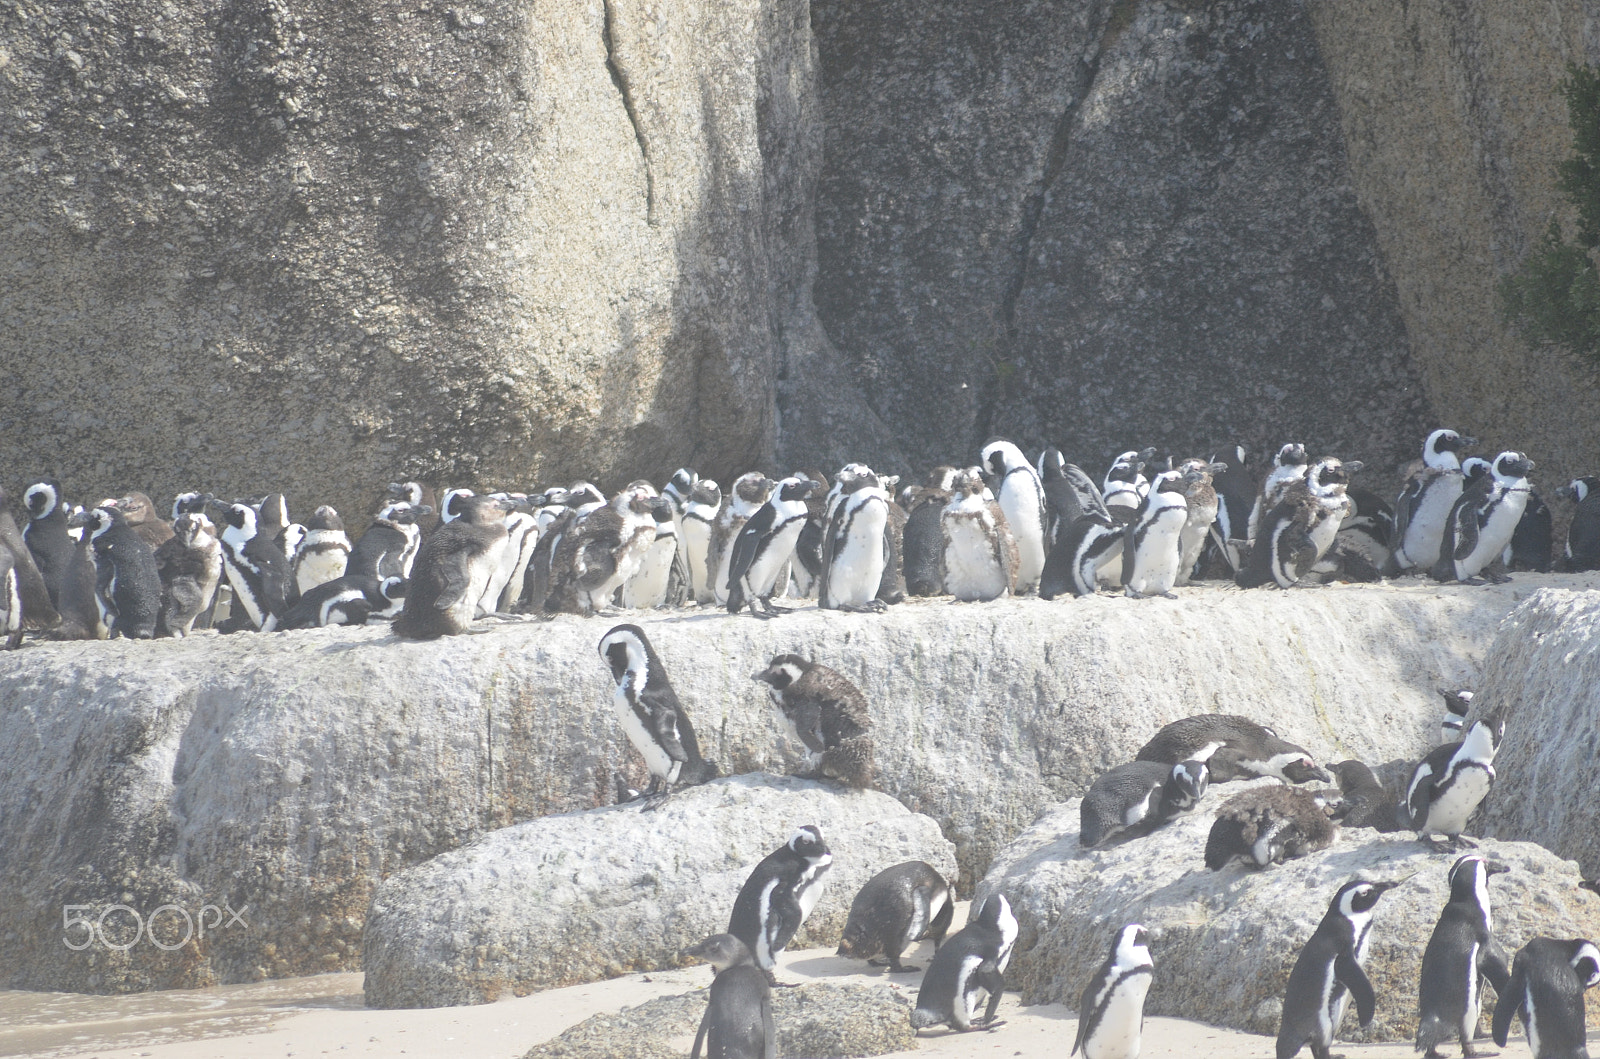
column 1136, row 798
column 1268, row 825
column 1233, row 747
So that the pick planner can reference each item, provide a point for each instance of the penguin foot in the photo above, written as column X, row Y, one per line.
column 1463, row 842
column 1169, row 595
column 1131, row 594
column 1469, row 1051
column 764, row 615
column 1473, row 581
column 1438, row 845
column 987, row 1025
column 1497, row 579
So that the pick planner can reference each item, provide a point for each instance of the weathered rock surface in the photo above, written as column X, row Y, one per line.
column 291, row 772
column 1544, row 674
column 815, row 1019
column 584, row 896
column 1224, row 942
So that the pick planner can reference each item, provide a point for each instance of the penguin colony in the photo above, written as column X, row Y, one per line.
column 1006, row 526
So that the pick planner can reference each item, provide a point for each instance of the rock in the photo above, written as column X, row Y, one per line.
column 291, row 772
column 815, row 1019
column 585, row 896
column 1224, row 942
column 1543, row 676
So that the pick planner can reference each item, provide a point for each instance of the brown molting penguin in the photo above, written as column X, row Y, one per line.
column 827, row 714
column 1268, row 825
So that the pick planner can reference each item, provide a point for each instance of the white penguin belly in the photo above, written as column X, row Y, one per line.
column 1191, row 541
column 647, row 589
column 764, row 571
column 655, row 758
column 1155, row 565
column 971, row 570
column 719, row 583
column 496, row 574
column 1022, row 513
column 696, row 542
column 1448, row 815
column 1323, row 533
column 1425, row 531
column 858, row 566
column 1495, row 535
column 1118, row 1034
column 319, row 566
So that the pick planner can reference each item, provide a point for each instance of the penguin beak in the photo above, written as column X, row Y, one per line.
column 1217, row 468
column 1564, row 491
column 1468, row 443
column 1352, row 466
column 78, row 519
column 1491, row 867
column 422, row 509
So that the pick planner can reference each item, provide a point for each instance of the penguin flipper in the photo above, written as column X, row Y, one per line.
column 769, row 1031
column 1493, row 967
column 700, row 1035
column 453, row 578
column 1349, row 974
column 663, row 721
column 1510, row 1005
column 745, row 546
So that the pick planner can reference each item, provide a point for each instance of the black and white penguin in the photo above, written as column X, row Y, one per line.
column 1329, row 971
column 1294, row 534
column 1136, row 798
column 561, row 513
column 453, row 504
column 1082, row 551
column 451, row 570
column 1124, row 486
column 1450, row 783
column 1425, row 502
column 765, row 547
column 922, row 542
column 1363, row 800
column 981, row 556
column 1268, row 825
column 653, row 719
column 1362, row 548
column 510, row 559
column 699, row 515
column 190, row 567
column 24, row 596
column 744, row 499
column 1020, row 494
column 257, row 569
column 601, row 550
column 738, row 1020
column 1236, row 495
column 1288, row 466
column 127, row 583
column 389, row 546
column 422, row 498
column 1111, row 1008
column 897, row 907
column 1151, row 551
column 1454, row 722
column 1582, row 550
column 650, row 588
column 82, row 613
column 972, row 961
column 855, row 549
column 1482, row 522
column 1069, row 493
column 1200, row 497
column 779, row 894
column 1532, row 545
column 825, row 713
column 1460, row 954
column 46, row 534
column 347, row 600
column 324, row 551
column 1548, row 980
column 1233, row 747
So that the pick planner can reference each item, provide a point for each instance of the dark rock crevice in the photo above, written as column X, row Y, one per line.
column 620, row 80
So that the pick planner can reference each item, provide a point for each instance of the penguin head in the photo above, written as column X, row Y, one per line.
column 721, row 951
column 782, row 671
column 1511, row 466
column 1355, row 900
column 996, row 914
column 1457, row 701
column 1125, row 468
column 707, row 493
column 1131, row 949
column 1329, row 476
column 191, row 504
column 1482, row 737
column 42, row 498
column 325, row 518
column 807, row 844
column 97, row 520
column 1052, row 464
column 1585, row 960
column 405, row 492
column 1474, row 468
column 136, row 508
column 1171, row 482
column 1290, row 455
column 1000, row 457
column 240, row 517
column 585, row 497
column 194, row 530
column 681, row 484
column 483, row 510
column 393, row 588
column 454, row 504
column 1186, row 785
column 1352, row 775
column 750, row 491
column 1443, row 449
column 626, row 650
column 1579, row 488
column 1469, row 878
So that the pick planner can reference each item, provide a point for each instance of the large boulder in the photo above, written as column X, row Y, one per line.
column 584, row 896
column 1224, row 942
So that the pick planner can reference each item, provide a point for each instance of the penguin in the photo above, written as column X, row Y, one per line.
column 1450, row 783
column 600, row 551
column 82, row 617
column 191, row 503
column 1268, row 825
column 1124, row 487
column 561, row 513
column 1288, row 466
column 141, row 515
column 981, row 556
column 738, row 1020
column 1236, row 495
column 422, row 499
column 1532, row 544
column 1456, row 705
column 1582, row 551
column 1111, row 1009
column 699, row 515
column 1082, row 550
column 274, row 524
column 1068, row 492
column 1329, row 972
column 127, row 582
column 653, row 719
column 1233, row 747
column 855, row 549
column 389, row 546
column 1020, row 494
column 1363, row 801
column 451, row 570
column 779, row 894
column 1362, row 542
column 24, row 596
column 973, row 960
column 744, row 499
column 46, row 534
column 806, row 570
column 765, row 546
column 453, row 504
column 1136, row 798
column 1460, row 954
column 256, row 568
column 1150, row 551
column 348, row 600
column 649, row 589
column 1298, row 531
column 1200, row 497
column 190, row 567
column 825, row 713
column 892, row 582
column 1482, row 522
column 1548, row 979
column 922, row 541
column 898, row 906
column 509, row 559
column 1425, row 502
column 324, row 551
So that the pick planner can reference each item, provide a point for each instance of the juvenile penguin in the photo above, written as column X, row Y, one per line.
column 1138, row 797
column 699, row 514
column 46, row 534
column 1288, row 466
column 1582, row 550
column 347, row 600
column 1151, row 550
column 141, row 515
column 1111, row 1009
column 324, row 551
column 600, row 551
column 779, row 894
column 1298, row 531
column 128, row 584
column 653, row 719
column 980, row 553
column 451, row 571
column 389, row 546
column 826, row 714
column 1268, row 825
column 1020, row 494
column 1483, row 520
column 1548, row 979
column 738, row 1020
column 1329, row 971
column 972, row 961
column 24, row 597
column 257, row 570
column 1425, row 501
column 1234, row 747
column 922, row 542
column 855, row 549
column 1448, row 784
column 190, row 567
column 765, row 547
column 897, row 907
column 1363, row 801
column 1200, row 496
column 749, row 492
column 1460, row 954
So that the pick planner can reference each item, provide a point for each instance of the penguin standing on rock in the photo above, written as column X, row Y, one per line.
column 765, row 547
column 1425, row 501
column 1201, row 499
column 1363, row 801
column 1138, row 797
column 826, row 714
column 1069, row 494
column 779, row 894
column 1548, row 979
column 738, row 1020
column 1582, row 550
column 1111, row 1009
column 922, row 542
column 1082, row 550
column 1268, row 825
column 46, row 534
column 128, row 585
column 1236, row 494
column 970, row 963
column 855, row 546
column 24, row 597
column 1294, row 535
column 653, row 719
column 1020, row 494
column 1450, row 783
column 452, row 570
column 1151, row 552
column 601, row 550
column 980, row 553
column 749, row 492
column 257, row 569
column 1482, row 522
column 1288, row 466
column 897, row 907
column 1460, row 954
column 190, row 567
column 1330, row 971
column 389, row 546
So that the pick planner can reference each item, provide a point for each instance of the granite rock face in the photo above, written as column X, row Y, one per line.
column 584, row 896
column 292, row 772
column 1224, row 942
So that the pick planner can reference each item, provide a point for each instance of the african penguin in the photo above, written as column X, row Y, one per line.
column 1532, row 544
column 972, row 961
column 699, row 515
column 422, row 499
column 1136, row 798
column 648, row 589
column 1425, row 502
column 826, row 714
column 511, row 558
column 1330, row 971
column 855, row 548
column 1361, row 546
column 141, row 515
column 1460, row 954
column 1297, row 531
column 744, row 499
column 1150, row 550
column 1200, row 496
column 806, row 570
column 1111, row 1008
column 1268, row 825
column 765, row 546
column 1288, row 466
column 1068, row 492
column 256, row 568
column 128, row 583
column 348, row 600
column 653, row 719
column 1234, row 747
column 601, row 550
column 1548, row 980
column 1124, row 487
column 1020, row 494
column 453, row 504
column 1450, row 783
column 922, row 542
column 981, row 557
column 898, row 906
column 46, row 534
column 1454, row 722
column 1582, row 551
column 389, row 546
column 779, row 894
column 1363, row 800
column 190, row 567
column 324, row 551
column 82, row 614
column 451, row 570
column 1082, row 550
column 24, row 596
column 1236, row 495
column 1482, row 522
column 738, row 1020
